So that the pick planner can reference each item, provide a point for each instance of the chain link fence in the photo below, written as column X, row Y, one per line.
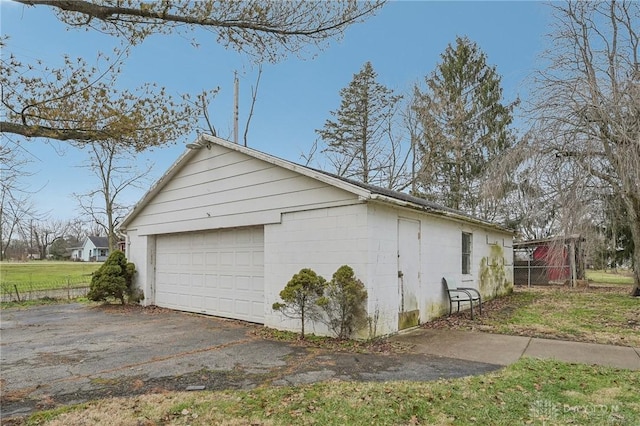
column 547, row 269
column 70, row 287
column 539, row 272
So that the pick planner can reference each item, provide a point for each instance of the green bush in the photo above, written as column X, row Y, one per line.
column 114, row 279
column 344, row 303
column 300, row 297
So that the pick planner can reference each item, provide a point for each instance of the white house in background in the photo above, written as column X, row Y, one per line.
column 94, row 249
column 226, row 227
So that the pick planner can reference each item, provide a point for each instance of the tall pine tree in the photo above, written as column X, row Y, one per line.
column 359, row 140
column 465, row 126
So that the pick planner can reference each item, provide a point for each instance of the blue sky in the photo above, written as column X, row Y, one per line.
column 403, row 42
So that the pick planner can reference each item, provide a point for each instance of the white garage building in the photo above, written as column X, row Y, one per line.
column 226, row 227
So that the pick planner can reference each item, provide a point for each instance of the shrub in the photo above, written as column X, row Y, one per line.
column 343, row 303
column 114, row 279
column 300, row 297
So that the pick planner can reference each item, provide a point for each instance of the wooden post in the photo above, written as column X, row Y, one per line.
column 572, row 262
column 529, row 255
column 236, row 90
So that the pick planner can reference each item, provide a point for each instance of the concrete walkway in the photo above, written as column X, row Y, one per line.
column 504, row 350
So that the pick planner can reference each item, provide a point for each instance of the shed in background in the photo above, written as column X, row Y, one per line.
column 553, row 260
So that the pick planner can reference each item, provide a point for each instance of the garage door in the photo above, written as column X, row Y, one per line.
column 215, row 272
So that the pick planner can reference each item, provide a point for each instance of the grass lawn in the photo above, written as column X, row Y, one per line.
column 597, row 315
column 531, row 391
column 608, row 277
column 44, row 275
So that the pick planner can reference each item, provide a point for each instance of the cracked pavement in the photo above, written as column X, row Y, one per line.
column 55, row 355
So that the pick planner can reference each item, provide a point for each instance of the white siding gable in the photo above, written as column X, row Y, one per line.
column 221, row 188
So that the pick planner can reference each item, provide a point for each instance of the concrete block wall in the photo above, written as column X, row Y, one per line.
column 440, row 256
column 440, row 248
column 382, row 257
column 365, row 237
column 493, row 256
column 323, row 240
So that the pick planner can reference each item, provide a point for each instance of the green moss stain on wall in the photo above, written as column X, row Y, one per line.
column 408, row 319
column 434, row 309
column 493, row 277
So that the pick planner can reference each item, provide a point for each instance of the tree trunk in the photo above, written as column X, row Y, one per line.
column 635, row 292
column 633, row 212
column 635, row 233
column 302, row 321
column 111, row 234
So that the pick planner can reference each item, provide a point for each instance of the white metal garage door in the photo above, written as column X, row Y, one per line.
column 214, row 272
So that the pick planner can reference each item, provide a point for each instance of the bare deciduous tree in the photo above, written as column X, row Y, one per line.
column 78, row 102
column 46, row 232
column 116, row 171
column 77, row 230
column 254, row 97
column 15, row 211
column 411, row 125
column 266, row 30
column 587, row 110
column 16, row 206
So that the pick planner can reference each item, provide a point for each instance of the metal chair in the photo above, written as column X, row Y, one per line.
column 461, row 294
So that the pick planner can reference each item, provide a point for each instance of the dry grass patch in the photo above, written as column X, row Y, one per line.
column 378, row 346
column 528, row 392
column 605, row 315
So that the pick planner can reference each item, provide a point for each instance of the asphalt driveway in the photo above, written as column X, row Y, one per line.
column 71, row 353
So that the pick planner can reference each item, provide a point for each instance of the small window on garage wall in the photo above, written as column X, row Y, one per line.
column 467, row 242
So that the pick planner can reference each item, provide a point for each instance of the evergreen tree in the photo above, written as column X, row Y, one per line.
column 300, row 297
column 59, row 249
column 344, row 303
column 359, row 140
column 465, row 127
column 114, row 279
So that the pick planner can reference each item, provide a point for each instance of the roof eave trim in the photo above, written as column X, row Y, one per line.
column 159, row 184
column 436, row 212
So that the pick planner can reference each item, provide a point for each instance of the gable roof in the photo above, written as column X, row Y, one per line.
column 366, row 192
column 99, row 242
column 561, row 239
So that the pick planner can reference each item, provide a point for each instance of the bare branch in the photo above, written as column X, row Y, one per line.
column 260, row 28
column 116, row 172
column 60, row 134
column 588, row 116
column 254, row 96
